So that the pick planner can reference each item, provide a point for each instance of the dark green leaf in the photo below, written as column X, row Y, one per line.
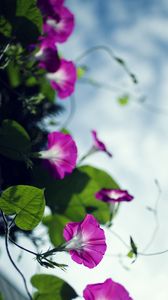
column 14, row 140
column 52, row 288
column 5, row 27
column 26, row 202
column 13, row 74
column 1, row 297
column 133, row 246
column 25, row 31
column 56, row 224
column 28, row 21
column 25, row 19
column 73, row 195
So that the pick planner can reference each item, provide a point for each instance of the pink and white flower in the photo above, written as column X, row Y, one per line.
column 58, row 28
column 99, row 145
column 113, row 195
column 64, row 79
column 50, row 7
column 61, row 154
column 48, row 57
column 108, row 290
column 85, row 241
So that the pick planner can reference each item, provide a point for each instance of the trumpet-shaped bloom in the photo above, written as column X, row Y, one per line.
column 48, row 58
column 85, row 241
column 50, row 7
column 108, row 290
column 99, row 145
column 113, row 195
column 60, row 157
column 63, row 80
column 58, row 28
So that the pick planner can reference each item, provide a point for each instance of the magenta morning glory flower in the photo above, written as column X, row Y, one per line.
column 49, row 7
column 48, row 57
column 63, row 80
column 113, row 195
column 58, row 28
column 99, row 145
column 85, row 241
column 108, row 290
column 61, row 154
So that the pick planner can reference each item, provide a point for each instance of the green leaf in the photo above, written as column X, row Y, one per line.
column 25, row 19
column 56, row 224
column 27, row 24
column 75, row 194
column 123, row 100
column 14, row 140
column 47, row 90
column 1, row 297
column 13, row 74
column 26, row 202
column 52, row 288
column 5, row 27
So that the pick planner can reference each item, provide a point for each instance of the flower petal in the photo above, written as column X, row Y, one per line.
column 59, row 28
column 113, row 195
column 99, row 145
column 108, row 290
column 61, row 155
column 63, row 81
column 85, row 241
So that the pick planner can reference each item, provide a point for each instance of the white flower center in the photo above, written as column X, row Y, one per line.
column 59, row 76
column 76, row 243
column 55, row 25
column 53, row 154
column 114, row 195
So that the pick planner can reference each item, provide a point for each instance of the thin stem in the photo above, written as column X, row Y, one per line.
column 112, row 56
column 10, row 257
column 71, row 113
column 147, row 106
column 155, row 212
column 153, row 254
column 53, row 251
column 101, row 85
column 91, row 151
column 120, row 238
column 21, row 247
column 138, row 253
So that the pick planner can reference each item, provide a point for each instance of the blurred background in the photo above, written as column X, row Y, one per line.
column 136, row 134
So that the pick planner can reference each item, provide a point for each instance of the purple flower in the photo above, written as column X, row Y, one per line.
column 113, row 195
column 99, row 145
column 63, row 80
column 49, row 7
column 48, row 57
column 85, row 241
column 108, row 290
column 61, row 154
column 58, row 28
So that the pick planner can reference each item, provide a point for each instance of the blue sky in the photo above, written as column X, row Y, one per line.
column 136, row 134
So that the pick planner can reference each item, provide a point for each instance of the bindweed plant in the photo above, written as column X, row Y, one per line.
column 41, row 169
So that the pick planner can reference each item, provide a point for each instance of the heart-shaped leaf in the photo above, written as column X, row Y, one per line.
column 52, row 288
column 26, row 202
